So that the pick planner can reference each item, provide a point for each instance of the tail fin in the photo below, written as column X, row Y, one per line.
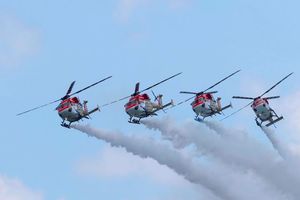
column 159, row 100
column 219, row 105
column 137, row 88
column 85, row 108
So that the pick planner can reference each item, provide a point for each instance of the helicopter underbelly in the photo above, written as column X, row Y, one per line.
column 263, row 112
column 69, row 114
column 136, row 111
column 203, row 109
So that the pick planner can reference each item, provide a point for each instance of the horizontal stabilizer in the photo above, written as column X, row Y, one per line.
column 167, row 105
column 161, row 108
column 228, row 106
column 94, row 110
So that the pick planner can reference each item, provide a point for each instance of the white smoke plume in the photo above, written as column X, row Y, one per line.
column 146, row 147
column 222, row 181
column 14, row 189
column 18, row 41
column 283, row 151
column 236, row 150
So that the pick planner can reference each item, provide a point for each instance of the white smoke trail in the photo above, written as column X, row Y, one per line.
column 145, row 147
column 279, row 147
column 281, row 172
column 225, row 145
column 283, row 152
column 222, row 182
column 233, row 147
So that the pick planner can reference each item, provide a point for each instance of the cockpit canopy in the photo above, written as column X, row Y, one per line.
column 137, row 99
column 67, row 103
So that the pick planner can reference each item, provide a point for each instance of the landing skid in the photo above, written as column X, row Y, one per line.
column 198, row 119
column 134, row 121
column 274, row 121
column 65, row 125
column 257, row 123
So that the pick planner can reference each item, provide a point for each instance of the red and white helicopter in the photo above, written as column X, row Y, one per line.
column 70, row 108
column 204, row 103
column 140, row 105
column 260, row 106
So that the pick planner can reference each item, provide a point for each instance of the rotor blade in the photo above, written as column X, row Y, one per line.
column 90, row 86
column 221, row 81
column 160, row 82
column 238, row 97
column 70, row 88
column 185, row 101
column 212, row 92
column 154, row 95
column 67, row 95
column 38, row 107
column 136, row 91
column 274, row 97
column 276, row 84
column 184, row 92
column 115, row 101
column 237, row 111
column 181, row 102
column 137, row 88
column 195, row 94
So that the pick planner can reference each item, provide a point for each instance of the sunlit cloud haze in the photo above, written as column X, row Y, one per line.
column 18, row 41
column 126, row 9
column 14, row 189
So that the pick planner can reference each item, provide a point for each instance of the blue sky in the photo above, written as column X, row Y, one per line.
column 45, row 45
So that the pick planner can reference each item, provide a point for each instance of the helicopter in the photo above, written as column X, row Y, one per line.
column 70, row 108
column 140, row 105
column 204, row 103
column 260, row 106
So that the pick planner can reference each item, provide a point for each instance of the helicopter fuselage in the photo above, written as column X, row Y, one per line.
column 71, row 109
column 205, row 105
column 262, row 109
column 139, row 106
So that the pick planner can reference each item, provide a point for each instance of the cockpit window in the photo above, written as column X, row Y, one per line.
column 131, row 102
column 209, row 96
column 67, row 104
